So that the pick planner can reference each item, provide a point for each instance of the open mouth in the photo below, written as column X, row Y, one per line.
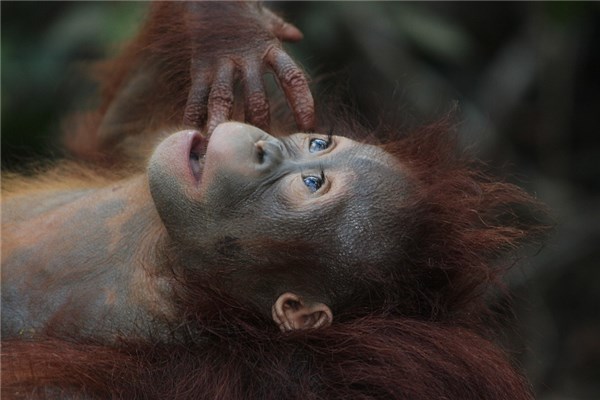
column 197, row 153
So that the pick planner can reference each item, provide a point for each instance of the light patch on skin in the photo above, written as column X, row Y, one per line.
column 110, row 295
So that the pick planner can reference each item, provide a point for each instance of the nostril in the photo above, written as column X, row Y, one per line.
column 267, row 154
column 260, row 152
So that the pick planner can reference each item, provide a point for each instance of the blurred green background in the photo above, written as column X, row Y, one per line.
column 525, row 79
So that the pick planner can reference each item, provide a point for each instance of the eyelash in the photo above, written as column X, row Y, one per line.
column 330, row 136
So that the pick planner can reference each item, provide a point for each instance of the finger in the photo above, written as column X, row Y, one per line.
column 283, row 30
column 196, row 108
column 256, row 105
column 220, row 99
column 288, row 33
column 295, row 87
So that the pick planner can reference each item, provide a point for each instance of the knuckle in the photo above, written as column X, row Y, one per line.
column 304, row 104
column 216, row 118
column 305, row 119
column 194, row 113
column 221, row 95
column 190, row 117
column 294, row 77
column 257, row 104
column 305, row 113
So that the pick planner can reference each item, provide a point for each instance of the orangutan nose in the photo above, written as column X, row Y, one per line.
column 269, row 153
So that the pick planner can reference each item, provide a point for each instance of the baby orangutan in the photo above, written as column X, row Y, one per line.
column 240, row 263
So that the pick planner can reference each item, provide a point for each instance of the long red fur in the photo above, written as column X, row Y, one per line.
column 414, row 332
column 375, row 357
column 166, row 45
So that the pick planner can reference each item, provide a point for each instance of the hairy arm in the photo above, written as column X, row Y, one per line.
column 181, row 70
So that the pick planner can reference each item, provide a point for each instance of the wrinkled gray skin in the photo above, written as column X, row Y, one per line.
column 252, row 186
column 96, row 259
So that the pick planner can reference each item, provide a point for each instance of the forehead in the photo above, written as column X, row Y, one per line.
column 349, row 154
column 372, row 180
column 367, row 171
column 365, row 203
column 360, row 212
column 369, row 202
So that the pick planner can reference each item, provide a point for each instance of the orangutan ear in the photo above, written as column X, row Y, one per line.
column 290, row 313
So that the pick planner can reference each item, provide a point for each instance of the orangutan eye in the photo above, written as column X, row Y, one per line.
column 317, row 145
column 313, row 183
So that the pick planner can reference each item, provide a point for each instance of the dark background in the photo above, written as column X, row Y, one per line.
column 522, row 76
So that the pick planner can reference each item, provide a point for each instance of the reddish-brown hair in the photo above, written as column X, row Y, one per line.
column 412, row 331
column 373, row 357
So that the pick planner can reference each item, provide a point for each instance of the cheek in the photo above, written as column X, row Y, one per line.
column 291, row 191
column 168, row 200
column 210, row 173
